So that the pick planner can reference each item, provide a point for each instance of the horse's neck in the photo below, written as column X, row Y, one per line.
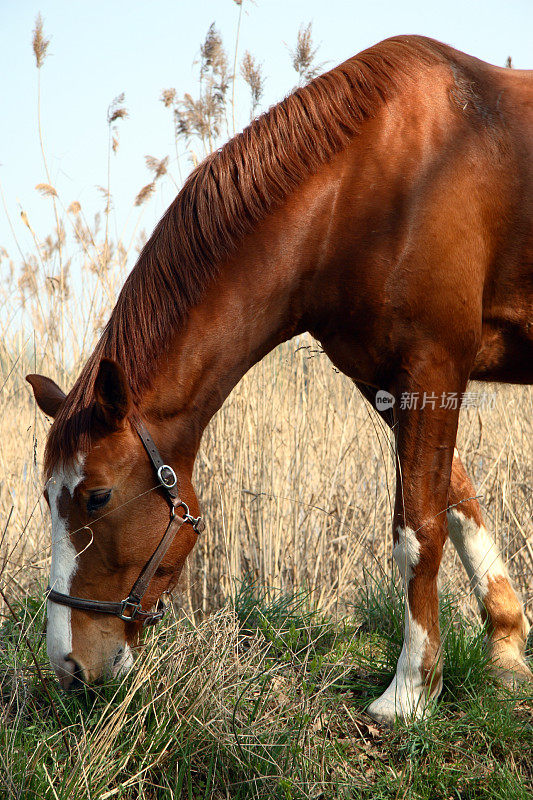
column 257, row 301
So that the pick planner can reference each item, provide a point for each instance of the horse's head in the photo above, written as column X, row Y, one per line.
column 109, row 514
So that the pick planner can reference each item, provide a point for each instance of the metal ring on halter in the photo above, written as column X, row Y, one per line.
column 196, row 522
column 186, row 513
column 156, row 616
column 135, row 608
column 162, row 481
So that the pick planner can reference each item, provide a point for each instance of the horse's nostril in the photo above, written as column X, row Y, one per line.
column 73, row 677
column 122, row 661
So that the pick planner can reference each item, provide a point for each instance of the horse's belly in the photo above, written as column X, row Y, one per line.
column 505, row 354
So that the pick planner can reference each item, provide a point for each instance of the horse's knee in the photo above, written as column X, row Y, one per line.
column 418, row 552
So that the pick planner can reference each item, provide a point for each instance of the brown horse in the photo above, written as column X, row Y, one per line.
column 387, row 209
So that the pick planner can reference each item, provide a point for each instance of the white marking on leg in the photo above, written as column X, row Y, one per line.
column 477, row 550
column 406, row 553
column 62, row 568
column 494, row 592
column 406, row 694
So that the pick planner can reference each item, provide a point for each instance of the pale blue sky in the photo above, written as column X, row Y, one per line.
column 104, row 47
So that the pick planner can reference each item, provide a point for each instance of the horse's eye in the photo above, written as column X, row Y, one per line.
column 98, row 500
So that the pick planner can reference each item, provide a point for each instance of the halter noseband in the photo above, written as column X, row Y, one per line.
column 130, row 609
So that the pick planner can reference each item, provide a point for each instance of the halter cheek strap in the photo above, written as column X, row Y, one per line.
column 131, row 609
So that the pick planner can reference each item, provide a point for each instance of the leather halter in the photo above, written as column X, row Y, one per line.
column 131, row 609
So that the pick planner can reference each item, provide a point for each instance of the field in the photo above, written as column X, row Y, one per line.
column 288, row 620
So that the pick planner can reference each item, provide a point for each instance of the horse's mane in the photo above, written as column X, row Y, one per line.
column 219, row 204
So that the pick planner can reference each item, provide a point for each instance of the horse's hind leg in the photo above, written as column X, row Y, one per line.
column 425, row 438
column 497, row 599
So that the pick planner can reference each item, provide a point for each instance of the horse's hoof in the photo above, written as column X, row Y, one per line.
column 511, row 673
column 398, row 702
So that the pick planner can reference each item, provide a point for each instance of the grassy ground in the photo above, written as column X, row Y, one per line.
column 264, row 699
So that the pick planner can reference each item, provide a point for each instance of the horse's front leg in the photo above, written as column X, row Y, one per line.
column 425, row 439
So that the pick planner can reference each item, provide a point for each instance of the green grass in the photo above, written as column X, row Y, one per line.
column 265, row 699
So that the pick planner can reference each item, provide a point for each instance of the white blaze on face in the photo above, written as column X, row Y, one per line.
column 63, row 566
column 406, row 694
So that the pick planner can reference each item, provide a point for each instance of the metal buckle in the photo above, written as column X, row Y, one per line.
column 157, row 615
column 134, row 606
column 172, row 481
column 196, row 522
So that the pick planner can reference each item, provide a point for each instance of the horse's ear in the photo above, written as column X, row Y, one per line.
column 112, row 394
column 48, row 396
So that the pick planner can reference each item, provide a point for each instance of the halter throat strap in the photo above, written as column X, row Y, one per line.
column 130, row 609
